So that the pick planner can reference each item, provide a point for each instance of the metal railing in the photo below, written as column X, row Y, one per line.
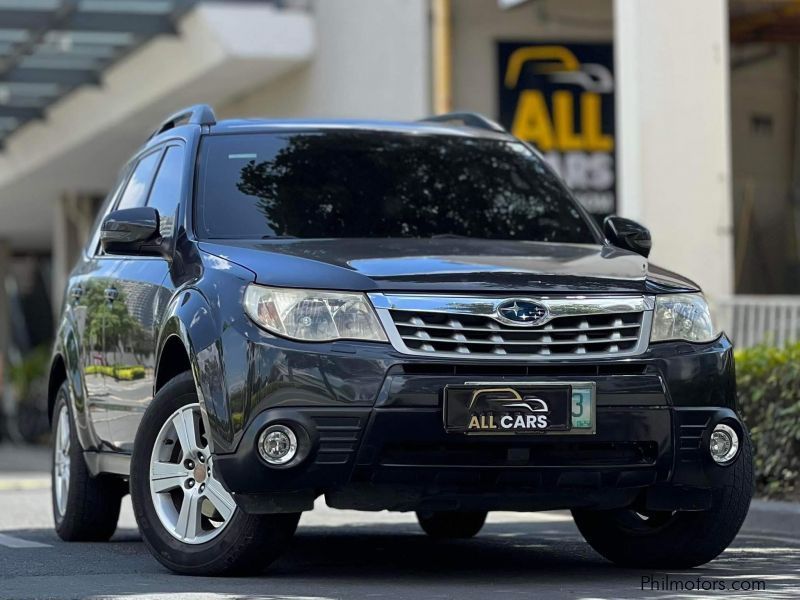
column 753, row 320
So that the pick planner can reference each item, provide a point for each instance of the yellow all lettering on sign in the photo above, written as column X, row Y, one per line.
column 594, row 138
column 533, row 123
column 564, row 116
column 532, row 120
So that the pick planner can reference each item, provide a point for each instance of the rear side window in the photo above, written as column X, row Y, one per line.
column 94, row 243
column 166, row 191
column 136, row 191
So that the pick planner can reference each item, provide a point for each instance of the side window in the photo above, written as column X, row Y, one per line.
column 166, row 191
column 94, row 240
column 136, row 191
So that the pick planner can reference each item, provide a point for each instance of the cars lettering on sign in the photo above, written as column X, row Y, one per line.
column 506, row 409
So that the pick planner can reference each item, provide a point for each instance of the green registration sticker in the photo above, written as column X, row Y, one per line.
column 582, row 407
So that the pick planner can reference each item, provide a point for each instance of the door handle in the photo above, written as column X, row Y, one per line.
column 111, row 293
column 76, row 292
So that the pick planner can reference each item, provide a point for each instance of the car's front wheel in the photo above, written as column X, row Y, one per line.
column 187, row 518
column 677, row 540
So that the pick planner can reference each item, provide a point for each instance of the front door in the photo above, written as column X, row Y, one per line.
column 107, row 325
column 141, row 291
column 139, row 299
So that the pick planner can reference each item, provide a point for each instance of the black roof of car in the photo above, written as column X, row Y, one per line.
column 471, row 125
column 412, row 127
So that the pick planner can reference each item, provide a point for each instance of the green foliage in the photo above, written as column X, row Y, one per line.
column 109, row 324
column 117, row 372
column 129, row 373
column 768, row 381
column 32, row 368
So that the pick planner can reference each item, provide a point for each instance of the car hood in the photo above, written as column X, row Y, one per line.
column 447, row 265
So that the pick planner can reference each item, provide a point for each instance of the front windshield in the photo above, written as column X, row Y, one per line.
column 357, row 184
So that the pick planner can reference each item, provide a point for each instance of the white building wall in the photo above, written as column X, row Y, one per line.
column 372, row 61
column 673, row 153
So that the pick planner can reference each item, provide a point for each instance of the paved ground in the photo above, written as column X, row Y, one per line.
column 344, row 554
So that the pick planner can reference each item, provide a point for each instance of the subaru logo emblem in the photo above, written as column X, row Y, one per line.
column 522, row 312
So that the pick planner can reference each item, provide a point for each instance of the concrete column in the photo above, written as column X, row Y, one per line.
column 5, row 328
column 60, row 254
column 73, row 217
column 673, row 151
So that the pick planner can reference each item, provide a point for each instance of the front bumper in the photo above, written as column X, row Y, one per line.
column 654, row 415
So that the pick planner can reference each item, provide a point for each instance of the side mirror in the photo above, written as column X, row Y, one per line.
column 131, row 231
column 628, row 235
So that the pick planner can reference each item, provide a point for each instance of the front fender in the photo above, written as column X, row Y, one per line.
column 199, row 319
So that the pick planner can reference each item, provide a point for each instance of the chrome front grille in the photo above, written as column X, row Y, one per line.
column 472, row 327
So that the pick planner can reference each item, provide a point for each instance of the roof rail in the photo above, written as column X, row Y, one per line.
column 198, row 114
column 468, row 119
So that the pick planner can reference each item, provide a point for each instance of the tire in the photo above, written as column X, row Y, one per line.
column 674, row 540
column 222, row 539
column 87, row 510
column 451, row 525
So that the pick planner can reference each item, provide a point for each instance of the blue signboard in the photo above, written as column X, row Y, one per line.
column 560, row 98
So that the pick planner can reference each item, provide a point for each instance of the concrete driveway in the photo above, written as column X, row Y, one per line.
column 348, row 554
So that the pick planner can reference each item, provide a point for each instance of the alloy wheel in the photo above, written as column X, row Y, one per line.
column 61, row 460
column 190, row 502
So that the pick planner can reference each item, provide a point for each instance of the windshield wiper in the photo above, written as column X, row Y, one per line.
column 451, row 235
column 278, row 237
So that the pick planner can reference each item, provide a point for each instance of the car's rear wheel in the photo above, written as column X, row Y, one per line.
column 451, row 524
column 674, row 540
column 85, row 508
column 187, row 518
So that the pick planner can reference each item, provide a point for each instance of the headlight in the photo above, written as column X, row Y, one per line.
column 313, row 316
column 682, row 317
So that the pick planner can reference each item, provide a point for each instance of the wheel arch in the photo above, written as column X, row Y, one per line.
column 190, row 339
column 65, row 367
column 58, row 375
column 172, row 361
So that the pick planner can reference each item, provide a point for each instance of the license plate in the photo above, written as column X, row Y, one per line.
column 519, row 408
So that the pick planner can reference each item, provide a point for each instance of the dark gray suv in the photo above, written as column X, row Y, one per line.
column 395, row 316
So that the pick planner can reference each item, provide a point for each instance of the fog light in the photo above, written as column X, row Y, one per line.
column 724, row 444
column 277, row 444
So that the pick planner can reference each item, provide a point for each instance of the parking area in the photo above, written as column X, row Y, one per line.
column 348, row 554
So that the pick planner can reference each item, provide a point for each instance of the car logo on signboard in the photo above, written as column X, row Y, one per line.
column 522, row 312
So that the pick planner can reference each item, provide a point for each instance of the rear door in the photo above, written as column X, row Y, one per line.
column 142, row 289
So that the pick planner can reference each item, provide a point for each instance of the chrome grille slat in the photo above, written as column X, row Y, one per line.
column 578, row 327
column 520, row 343
column 495, row 330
